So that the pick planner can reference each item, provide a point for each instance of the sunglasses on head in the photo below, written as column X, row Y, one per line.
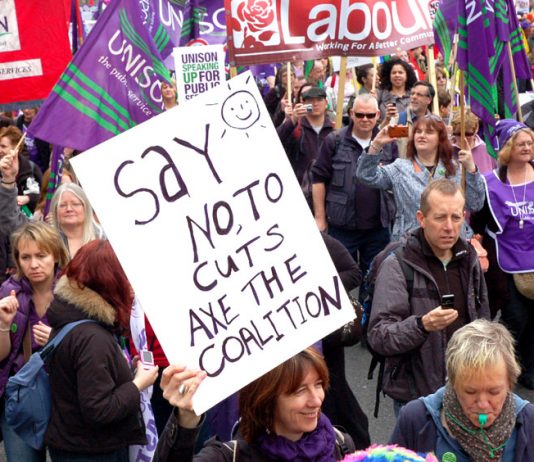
column 467, row 134
column 361, row 115
column 433, row 117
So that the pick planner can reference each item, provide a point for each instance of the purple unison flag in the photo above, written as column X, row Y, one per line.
column 445, row 26
column 475, row 50
column 204, row 21
column 508, row 34
column 111, row 84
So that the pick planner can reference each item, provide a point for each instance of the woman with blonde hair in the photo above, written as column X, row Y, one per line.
column 484, row 162
column 38, row 253
column 475, row 416
column 72, row 214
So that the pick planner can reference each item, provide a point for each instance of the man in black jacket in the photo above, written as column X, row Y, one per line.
column 356, row 215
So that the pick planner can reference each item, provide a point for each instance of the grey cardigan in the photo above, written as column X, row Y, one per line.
column 407, row 186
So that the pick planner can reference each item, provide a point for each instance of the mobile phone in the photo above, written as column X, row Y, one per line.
column 309, row 108
column 398, row 131
column 147, row 359
column 447, row 301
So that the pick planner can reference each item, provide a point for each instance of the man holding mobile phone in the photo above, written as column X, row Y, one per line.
column 426, row 290
column 421, row 96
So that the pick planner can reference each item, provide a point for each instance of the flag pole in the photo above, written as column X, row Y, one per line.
column 432, row 77
column 355, row 83
column 452, row 76
column 375, row 67
column 288, row 89
column 463, row 141
column 512, row 68
column 20, row 142
column 341, row 92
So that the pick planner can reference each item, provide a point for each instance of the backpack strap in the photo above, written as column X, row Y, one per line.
column 232, row 446
column 51, row 345
column 408, row 273
column 340, row 442
column 407, row 270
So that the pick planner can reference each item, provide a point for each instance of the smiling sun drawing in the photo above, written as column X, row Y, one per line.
column 240, row 110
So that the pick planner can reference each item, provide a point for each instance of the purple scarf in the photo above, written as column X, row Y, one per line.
column 317, row 446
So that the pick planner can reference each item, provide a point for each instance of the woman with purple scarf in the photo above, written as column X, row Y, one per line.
column 38, row 253
column 509, row 222
column 281, row 417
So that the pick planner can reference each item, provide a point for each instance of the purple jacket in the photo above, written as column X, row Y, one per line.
column 14, row 360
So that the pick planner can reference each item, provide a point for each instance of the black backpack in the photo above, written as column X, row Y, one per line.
column 367, row 292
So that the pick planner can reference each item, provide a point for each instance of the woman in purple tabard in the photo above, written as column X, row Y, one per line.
column 510, row 198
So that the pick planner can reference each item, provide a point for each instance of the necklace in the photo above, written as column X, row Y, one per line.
column 521, row 221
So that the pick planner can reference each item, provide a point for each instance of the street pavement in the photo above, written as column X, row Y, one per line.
column 357, row 364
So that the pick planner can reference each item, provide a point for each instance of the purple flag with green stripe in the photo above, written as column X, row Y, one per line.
column 204, row 22
column 112, row 83
column 445, row 26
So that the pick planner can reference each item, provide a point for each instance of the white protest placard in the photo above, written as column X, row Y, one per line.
column 522, row 6
column 198, row 69
column 205, row 214
column 352, row 61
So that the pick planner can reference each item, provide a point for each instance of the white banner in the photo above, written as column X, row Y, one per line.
column 9, row 30
column 205, row 214
column 352, row 61
column 198, row 69
column 20, row 69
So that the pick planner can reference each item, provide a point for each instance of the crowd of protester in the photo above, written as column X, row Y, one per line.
column 395, row 188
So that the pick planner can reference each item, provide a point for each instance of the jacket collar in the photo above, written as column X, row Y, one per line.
column 86, row 300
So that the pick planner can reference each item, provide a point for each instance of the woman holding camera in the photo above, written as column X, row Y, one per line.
column 95, row 396
column 281, row 417
column 429, row 157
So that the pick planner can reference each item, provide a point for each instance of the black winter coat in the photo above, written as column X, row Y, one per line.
column 95, row 404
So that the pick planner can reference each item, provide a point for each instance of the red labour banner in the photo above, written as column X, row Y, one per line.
column 34, row 50
column 265, row 31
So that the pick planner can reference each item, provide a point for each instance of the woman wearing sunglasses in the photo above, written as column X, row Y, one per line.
column 429, row 157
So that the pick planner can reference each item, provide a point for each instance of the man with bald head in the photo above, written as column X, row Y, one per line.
column 354, row 214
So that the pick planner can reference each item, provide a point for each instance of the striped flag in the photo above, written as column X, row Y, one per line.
column 112, row 83
column 484, row 30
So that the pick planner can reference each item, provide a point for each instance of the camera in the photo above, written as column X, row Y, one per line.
column 309, row 107
column 147, row 359
column 398, row 131
column 447, row 301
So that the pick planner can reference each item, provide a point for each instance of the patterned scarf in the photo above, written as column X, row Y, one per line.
column 481, row 445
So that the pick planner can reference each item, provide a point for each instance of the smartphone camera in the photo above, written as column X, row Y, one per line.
column 447, row 301
column 147, row 359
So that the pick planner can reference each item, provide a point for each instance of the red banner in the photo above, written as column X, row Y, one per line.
column 34, row 50
column 265, row 31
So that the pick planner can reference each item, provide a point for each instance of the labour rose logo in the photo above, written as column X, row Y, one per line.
column 254, row 23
